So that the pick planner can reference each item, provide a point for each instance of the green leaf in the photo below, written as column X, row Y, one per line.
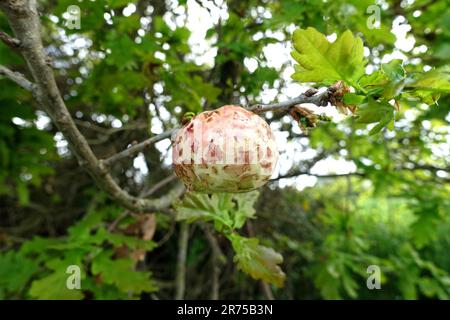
column 54, row 286
column 122, row 273
column 328, row 283
column 121, row 55
column 374, row 111
column 37, row 245
column 423, row 229
column 225, row 209
column 407, row 288
column 15, row 271
column 325, row 62
column 117, row 3
column 23, row 193
column 394, row 70
column 383, row 123
column 93, row 219
column 431, row 288
column 434, row 80
column 102, row 235
column 243, row 208
column 377, row 78
column 260, row 262
column 350, row 285
column 197, row 206
column 353, row 99
column 396, row 75
column 426, row 96
column 393, row 89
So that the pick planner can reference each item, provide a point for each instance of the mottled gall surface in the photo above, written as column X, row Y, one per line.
column 226, row 150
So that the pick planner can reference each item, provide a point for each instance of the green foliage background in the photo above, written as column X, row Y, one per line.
column 394, row 211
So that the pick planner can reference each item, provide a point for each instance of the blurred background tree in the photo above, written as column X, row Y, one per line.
column 341, row 199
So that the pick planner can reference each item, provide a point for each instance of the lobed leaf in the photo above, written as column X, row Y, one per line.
column 225, row 209
column 261, row 263
column 325, row 62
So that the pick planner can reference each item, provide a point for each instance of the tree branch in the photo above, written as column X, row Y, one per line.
column 310, row 96
column 9, row 41
column 18, row 78
column 299, row 173
column 135, row 149
column 216, row 255
column 180, row 278
column 148, row 192
column 109, row 131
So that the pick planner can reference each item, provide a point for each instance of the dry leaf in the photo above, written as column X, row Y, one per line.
column 148, row 226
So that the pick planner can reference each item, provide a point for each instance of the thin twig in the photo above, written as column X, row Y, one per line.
column 180, row 279
column 9, row 41
column 110, row 131
column 310, row 96
column 294, row 174
column 135, row 149
column 159, row 185
column 114, row 224
column 168, row 234
column 18, row 78
column 216, row 255
column 267, row 290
